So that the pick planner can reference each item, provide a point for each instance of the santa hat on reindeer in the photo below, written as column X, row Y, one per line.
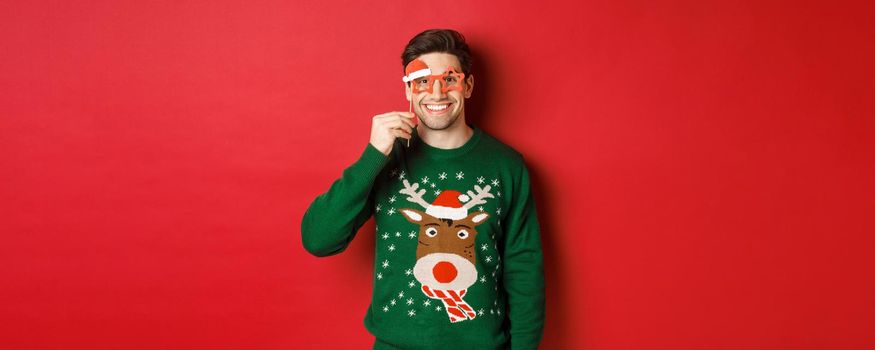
column 448, row 205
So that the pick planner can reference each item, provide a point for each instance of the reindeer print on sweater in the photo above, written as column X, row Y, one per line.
column 443, row 216
column 456, row 247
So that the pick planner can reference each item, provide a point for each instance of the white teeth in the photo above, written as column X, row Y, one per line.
column 436, row 107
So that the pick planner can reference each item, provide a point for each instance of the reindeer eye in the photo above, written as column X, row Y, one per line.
column 463, row 234
column 431, row 232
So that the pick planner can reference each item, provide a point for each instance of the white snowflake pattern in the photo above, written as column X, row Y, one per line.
column 391, row 247
column 498, row 211
column 379, row 275
column 397, row 233
column 484, row 246
column 411, row 284
column 425, row 179
column 426, row 303
column 392, row 199
column 491, row 312
column 437, row 192
column 400, row 294
column 379, row 207
column 408, row 272
column 385, row 263
column 498, row 193
column 411, row 313
column 393, row 172
column 433, row 185
column 391, row 211
column 412, row 234
column 460, row 175
column 482, row 279
column 480, row 179
column 495, row 182
column 438, row 308
column 481, row 208
column 393, row 302
column 442, row 176
column 401, row 176
column 498, row 311
column 385, row 235
column 409, row 301
column 385, row 309
column 488, row 258
column 480, row 313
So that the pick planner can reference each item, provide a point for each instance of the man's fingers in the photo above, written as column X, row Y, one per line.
column 401, row 133
column 393, row 124
column 406, row 117
column 388, row 115
column 384, row 115
column 399, row 124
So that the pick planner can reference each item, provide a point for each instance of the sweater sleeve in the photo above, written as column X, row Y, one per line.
column 523, row 268
column 334, row 217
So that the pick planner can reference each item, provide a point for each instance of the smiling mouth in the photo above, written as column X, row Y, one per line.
column 423, row 243
column 437, row 108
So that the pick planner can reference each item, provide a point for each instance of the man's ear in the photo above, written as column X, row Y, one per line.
column 469, row 86
column 407, row 91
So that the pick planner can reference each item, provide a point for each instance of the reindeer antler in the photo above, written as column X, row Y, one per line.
column 478, row 198
column 413, row 195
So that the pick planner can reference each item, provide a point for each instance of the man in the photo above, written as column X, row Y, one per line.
column 458, row 261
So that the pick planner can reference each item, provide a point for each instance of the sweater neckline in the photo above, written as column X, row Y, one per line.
column 435, row 152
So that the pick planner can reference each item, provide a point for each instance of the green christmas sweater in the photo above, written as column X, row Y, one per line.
column 458, row 262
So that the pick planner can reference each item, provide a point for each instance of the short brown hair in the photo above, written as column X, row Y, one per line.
column 438, row 40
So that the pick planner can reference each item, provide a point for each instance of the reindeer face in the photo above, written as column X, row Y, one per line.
column 446, row 248
column 445, row 252
column 438, row 235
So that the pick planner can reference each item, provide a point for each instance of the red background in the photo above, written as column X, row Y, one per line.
column 703, row 170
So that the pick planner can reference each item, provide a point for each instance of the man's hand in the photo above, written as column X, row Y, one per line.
column 388, row 126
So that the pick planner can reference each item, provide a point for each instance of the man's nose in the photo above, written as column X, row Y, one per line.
column 436, row 92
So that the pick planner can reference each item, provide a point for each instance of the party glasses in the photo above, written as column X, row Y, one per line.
column 449, row 80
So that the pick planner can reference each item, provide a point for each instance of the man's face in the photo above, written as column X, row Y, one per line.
column 439, row 110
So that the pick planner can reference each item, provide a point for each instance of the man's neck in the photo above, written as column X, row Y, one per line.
column 452, row 137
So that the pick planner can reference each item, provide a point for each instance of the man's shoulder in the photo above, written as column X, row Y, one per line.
column 498, row 149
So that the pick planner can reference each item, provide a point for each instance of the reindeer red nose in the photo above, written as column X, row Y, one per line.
column 444, row 272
